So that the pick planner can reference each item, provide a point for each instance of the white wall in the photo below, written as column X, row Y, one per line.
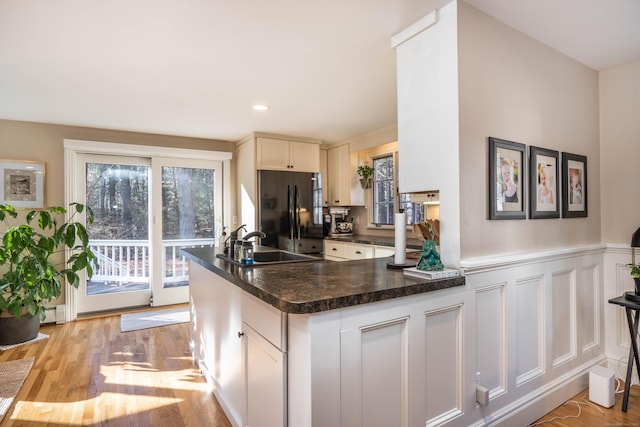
column 620, row 151
column 515, row 88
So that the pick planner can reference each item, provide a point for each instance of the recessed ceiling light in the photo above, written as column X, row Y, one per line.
column 260, row 107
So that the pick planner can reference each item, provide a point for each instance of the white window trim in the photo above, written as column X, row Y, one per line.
column 376, row 153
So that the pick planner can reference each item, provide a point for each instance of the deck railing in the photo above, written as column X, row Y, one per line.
column 127, row 261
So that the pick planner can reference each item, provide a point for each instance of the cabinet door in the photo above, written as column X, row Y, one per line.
column 338, row 163
column 272, row 154
column 265, row 381
column 217, row 349
column 304, row 156
column 324, row 173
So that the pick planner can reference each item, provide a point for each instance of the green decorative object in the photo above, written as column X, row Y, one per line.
column 430, row 258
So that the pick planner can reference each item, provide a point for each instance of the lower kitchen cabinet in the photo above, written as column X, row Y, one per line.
column 341, row 251
column 265, row 381
column 239, row 343
column 344, row 251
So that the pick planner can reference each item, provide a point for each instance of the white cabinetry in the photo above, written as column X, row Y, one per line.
column 344, row 251
column 341, row 251
column 324, row 173
column 278, row 154
column 343, row 184
column 216, row 347
column 265, row 381
column 384, row 251
column 239, row 343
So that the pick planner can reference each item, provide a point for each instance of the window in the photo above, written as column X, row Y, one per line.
column 386, row 201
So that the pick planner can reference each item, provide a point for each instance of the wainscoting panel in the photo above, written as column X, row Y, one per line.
column 375, row 372
column 530, row 342
column 589, row 303
column 563, row 317
column 385, row 349
column 443, row 364
column 491, row 338
column 537, row 328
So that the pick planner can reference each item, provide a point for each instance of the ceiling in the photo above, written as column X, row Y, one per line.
column 195, row 68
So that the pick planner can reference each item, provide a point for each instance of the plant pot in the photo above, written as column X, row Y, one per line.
column 365, row 183
column 637, row 282
column 16, row 331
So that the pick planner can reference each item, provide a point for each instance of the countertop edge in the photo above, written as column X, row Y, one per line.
column 417, row 286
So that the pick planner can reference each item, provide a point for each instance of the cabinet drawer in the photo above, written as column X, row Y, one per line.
column 334, row 249
column 355, row 251
column 267, row 320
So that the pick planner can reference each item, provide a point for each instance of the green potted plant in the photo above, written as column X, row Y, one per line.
column 366, row 174
column 34, row 263
column 635, row 273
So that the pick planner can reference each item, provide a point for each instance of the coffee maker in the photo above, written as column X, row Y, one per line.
column 340, row 223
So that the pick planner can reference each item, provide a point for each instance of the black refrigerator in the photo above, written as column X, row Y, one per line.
column 290, row 210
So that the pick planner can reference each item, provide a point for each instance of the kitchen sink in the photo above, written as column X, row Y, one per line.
column 269, row 257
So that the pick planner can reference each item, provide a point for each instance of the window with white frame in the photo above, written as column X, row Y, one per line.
column 385, row 198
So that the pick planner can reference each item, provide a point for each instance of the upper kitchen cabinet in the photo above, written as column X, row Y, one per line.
column 324, row 174
column 428, row 130
column 343, row 187
column 278, row 154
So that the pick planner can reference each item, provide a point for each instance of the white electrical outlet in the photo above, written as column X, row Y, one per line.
column 234, row 219
column 482, row 395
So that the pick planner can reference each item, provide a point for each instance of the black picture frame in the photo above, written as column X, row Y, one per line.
column 544, row 169
column 574, row 186
column 507, row 172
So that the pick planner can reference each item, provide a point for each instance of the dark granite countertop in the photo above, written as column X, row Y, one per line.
column 375, row 240
column 310, row 287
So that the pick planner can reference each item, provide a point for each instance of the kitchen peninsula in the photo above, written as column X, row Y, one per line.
column 320, row 342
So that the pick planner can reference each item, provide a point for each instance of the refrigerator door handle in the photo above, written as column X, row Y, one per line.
column 289, row 212
column 296, row 206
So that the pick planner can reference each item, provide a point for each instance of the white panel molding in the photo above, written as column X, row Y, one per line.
column 539, row 370
column 572, row 353
column 624, row 283
column 501, row 359
column 457, row 409
column 485, row 264
column 404, row 362
column 597, row 303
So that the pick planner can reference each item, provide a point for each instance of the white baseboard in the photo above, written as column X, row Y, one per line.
column 543, row 400
column 50, row 316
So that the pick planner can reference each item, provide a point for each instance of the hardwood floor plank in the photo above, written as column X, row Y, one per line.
column 595, row 415
column 88, row 373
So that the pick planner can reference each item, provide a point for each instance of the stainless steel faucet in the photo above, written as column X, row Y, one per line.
column 259, row 234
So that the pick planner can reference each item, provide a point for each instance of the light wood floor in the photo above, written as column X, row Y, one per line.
column 88, row 373
column 594, row 415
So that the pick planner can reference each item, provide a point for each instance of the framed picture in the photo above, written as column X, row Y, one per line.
column 543, row 183
column 574, row 185
column 22, row 183
column 506, row 175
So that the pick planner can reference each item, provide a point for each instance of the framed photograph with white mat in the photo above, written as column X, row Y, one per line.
column 22, row 183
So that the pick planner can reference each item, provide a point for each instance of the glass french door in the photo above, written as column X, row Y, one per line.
column 116, row 188
column 146, row 211
column 189, row 215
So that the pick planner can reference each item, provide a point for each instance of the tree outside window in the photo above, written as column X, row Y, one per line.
column 385, row 201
